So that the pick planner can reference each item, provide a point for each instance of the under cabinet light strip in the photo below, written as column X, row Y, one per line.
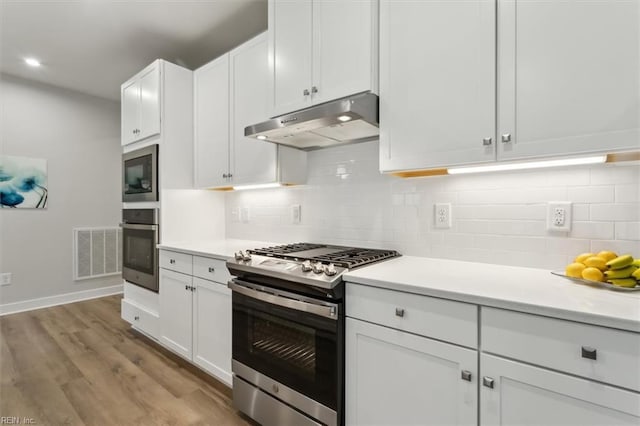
column 529, row 165
column 259, row 186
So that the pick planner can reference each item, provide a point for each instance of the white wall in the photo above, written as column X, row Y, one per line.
column 79, row 135
column 497, row 218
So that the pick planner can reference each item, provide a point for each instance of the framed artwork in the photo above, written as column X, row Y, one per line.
column 23, row 183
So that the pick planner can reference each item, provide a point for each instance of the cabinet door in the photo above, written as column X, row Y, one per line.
column 437, row 83
column 176, row 311
column 568, row 77
column 130, row 98
column 212, row 328
column 344, row 48
column 150, row 103
column 289, row 55
column 253, row 161
column 397, row 378
column 527, row 395
column 211, row 132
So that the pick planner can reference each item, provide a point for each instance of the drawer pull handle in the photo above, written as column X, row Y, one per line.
column 172, row 261
column 136, row 318
column 399, row 312
column 589, row 353
column 186, row 287
column 211, row 269
column 488, row 382
column 466, row 375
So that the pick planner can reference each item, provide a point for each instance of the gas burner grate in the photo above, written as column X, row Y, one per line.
column 345, row 257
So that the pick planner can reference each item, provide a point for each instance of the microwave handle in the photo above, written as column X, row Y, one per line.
column 138, row 226
column 328, row 311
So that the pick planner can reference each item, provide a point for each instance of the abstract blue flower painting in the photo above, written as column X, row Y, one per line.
column 23, row 183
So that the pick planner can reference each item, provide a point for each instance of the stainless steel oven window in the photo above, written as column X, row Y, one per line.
column 140, row 255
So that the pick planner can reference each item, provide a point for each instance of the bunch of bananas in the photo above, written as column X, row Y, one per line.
column 623, row 271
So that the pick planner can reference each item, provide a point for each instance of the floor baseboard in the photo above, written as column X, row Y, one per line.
column 61, row 299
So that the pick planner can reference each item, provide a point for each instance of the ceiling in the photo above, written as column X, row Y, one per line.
column 93, row 46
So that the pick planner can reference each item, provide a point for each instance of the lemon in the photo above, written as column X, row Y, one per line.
column 575, row 270
column 592, row 274
column 582, row 257
column 607, row 255
column 596, row 262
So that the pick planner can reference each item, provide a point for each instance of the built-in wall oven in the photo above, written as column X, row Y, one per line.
column 139, row 254
column 288, row 331
column 140, row 174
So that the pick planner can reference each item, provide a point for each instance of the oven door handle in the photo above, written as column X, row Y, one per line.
column 327, row 310
column 137, row 226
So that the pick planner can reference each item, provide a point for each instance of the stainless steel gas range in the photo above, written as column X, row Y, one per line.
column 288, row 331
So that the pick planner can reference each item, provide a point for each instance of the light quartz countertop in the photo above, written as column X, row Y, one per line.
column 217, row 249
column 529, row 290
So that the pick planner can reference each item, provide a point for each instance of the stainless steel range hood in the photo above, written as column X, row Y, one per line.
column 348, row 120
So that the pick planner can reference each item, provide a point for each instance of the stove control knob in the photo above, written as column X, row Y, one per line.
column 246, row 256
column 239, row 255
column 306, row 266
column 318, row 268
column 330, row 270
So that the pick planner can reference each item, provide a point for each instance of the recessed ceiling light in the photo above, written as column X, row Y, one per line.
column 32, row 62
column 262, row 137
column 344, row 118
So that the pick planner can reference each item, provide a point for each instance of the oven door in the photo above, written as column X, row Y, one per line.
column 140, row 255
column 140, row 175
column 292, row 339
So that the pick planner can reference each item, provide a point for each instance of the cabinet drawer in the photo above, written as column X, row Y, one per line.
column 140, row 318
column 598, row 353
column 211, row 269
column 175, row 261
column 440, row 319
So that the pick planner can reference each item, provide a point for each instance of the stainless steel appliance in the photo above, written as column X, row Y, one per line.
column 288, row 331
column 139, row 253
column 140, row 174
column 348, row 120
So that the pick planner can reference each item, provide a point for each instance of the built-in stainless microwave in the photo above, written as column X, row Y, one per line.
column 140, row 174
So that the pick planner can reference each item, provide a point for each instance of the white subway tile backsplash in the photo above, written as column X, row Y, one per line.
column 497, row 218
column 592, row 194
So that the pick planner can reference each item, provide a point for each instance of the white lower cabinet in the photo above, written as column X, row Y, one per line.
column 527, row 395
column 195, row 314
column 212, row 328
column 398, row 378
column 176, row 311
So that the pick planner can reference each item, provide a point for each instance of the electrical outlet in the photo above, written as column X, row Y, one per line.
column 296, row 211
column 244, row 214
column 442, row 215
column 5, row 278
column 559, row 216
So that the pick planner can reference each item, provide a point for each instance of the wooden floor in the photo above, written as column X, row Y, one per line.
column 80, row 364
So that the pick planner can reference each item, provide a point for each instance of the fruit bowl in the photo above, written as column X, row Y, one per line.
column 598, row 283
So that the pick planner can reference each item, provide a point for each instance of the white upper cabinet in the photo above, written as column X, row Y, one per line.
column 568, row 77
column 230, row 94
column 141, row 105
column 437, row 83
column 211, row 130
column 320, row 50
column 252, row 160
column 567, row 80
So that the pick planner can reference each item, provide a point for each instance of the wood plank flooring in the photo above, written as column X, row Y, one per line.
column 81, row 364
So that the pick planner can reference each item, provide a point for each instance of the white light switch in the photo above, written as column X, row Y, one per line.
column 296, row 214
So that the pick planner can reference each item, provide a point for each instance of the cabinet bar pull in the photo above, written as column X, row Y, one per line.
column 136, row 318
column 211, row 269
column 314, row 89
column 186, row 287
column 589, row 353
column 172, row 261
column 487, row 141
column 399, row 312
column 488, row 382
column 466, row 375
column 305, row 92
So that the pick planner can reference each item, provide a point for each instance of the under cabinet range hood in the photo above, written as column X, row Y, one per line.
column 343, row 121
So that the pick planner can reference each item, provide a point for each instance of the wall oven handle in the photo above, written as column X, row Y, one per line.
column 137, row 226
column 324, row 309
